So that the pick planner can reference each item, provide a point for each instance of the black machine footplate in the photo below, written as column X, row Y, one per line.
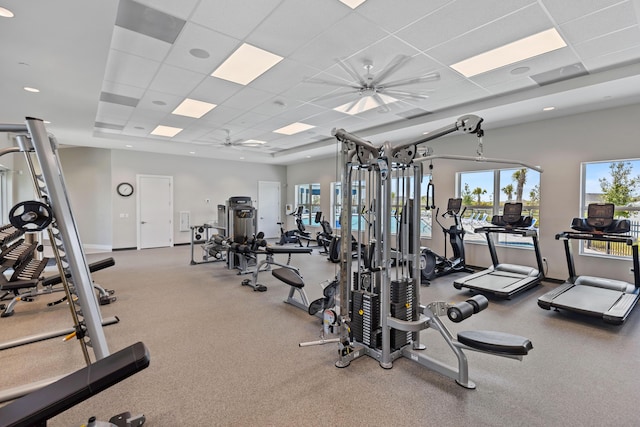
column 496, row 342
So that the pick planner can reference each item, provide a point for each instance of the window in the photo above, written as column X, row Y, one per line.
column 358, row 197
column 308, row 196
column 484, row 193
column 616, row 182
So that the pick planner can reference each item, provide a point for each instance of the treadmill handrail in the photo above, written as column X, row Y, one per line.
column 525, row 232
column 602, row 237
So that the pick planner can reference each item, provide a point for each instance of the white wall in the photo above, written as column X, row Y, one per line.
column 87, row 173
column 194, row 179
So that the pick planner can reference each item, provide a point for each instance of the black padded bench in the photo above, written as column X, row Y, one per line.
column 37, row 407
column 496, row 342
column 93, row 267
column 283, row 250
column 288, row 276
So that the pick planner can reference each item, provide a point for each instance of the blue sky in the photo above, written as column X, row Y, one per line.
column 595, row 171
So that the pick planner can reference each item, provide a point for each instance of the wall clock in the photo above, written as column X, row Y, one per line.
column 125, row 189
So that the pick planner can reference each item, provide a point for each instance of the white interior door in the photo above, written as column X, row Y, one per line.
column 269, row 208
column 155, row 211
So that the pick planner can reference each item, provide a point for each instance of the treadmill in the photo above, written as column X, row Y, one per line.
column 608, row 299
column 506, row 280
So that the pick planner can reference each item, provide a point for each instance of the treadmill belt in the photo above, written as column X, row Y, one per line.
column 494, row 281
column 587, row 299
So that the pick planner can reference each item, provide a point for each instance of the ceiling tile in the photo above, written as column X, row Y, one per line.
column 600, row 23
column 457, row 18
column 175, row 81
column 515, row 26
column 342, row 39
column 181, row 9
column 563, row 11
column 113, row 113
column 131, row 70
column 138, row 44
column 215, row 90
column 237, row 18
column 392, row 15
column 305, row 19
column 623, row 39
column 218, row 46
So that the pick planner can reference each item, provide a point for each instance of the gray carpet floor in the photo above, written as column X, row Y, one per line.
column 222, row 354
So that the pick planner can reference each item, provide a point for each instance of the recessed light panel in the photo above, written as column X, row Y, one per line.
column 294, row 128
column 246, row 64
column 353, row 3
column 193, row 108
column 166, row 131
column 6, row 13
column 511, row 53
column 366, row 103
column 253, row 143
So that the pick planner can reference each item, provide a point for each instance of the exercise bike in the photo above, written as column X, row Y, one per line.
column 294, row 236
column 433, row 265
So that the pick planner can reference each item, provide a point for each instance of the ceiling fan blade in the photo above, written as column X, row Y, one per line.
column 351, row 71
column 404, row 94
column 353, row 105
column 391, row 68
column 329, row 83
column 381, row 104
column 333, row 95
column 431, row 77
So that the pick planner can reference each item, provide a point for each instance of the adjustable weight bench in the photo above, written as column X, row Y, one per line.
column 37, row 407
column 269, row 260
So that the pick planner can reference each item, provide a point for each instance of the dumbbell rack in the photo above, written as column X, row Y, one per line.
column 34, row 142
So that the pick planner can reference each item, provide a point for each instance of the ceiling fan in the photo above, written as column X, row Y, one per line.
column 239, row 143
column 372, row 89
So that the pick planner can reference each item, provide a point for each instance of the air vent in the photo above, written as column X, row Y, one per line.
column 111, row 126
column 119, row 99
column 560, row 74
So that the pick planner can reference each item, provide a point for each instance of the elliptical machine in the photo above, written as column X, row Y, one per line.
column 433, row 265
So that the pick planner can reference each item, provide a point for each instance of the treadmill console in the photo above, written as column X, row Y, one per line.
column 600, row 215
column 512, row 212
column 454, row 205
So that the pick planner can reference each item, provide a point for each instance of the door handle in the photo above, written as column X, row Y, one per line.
column 143, row 222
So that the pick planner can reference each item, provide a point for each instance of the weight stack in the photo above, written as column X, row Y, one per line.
column 402, row 305
column 364, row 281
column 365, row 318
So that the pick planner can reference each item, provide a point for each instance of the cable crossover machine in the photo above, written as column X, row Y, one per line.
column 380, row 314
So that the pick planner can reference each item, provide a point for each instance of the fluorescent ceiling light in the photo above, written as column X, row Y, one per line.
column 31, row 89
column 253, row 143
column 511, row 53
column 192, row 108
column 166, row 131
column 245, row 64
column 353, row 3
column 6, row 13
column 364, row 104
column 294, row 128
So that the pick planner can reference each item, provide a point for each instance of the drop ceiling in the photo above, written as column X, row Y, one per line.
column 110, row 72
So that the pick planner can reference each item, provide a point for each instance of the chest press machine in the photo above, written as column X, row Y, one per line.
column 382, row 316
